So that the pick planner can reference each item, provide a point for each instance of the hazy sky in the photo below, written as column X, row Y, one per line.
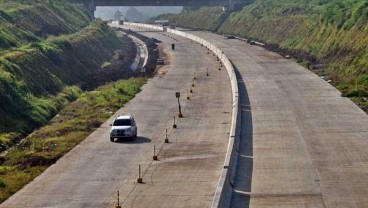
column 107, row 13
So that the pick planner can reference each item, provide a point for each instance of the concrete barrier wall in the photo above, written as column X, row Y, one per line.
column 137, row 59
column 141, row 58
column 225, row 186
column 142, row 51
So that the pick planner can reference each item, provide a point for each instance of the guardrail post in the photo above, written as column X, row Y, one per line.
column 118, row 204
column 166, row 138
column 174, row 126
column 139, row 180
column 154, row 153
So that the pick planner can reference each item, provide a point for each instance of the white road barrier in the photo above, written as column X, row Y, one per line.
column 141, row 57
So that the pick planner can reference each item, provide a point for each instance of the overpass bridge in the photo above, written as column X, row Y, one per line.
column 92, row 4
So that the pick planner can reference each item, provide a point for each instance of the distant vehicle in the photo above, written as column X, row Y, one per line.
column 123, row 127
column 160, row 62
column 229, row 37
column 162, row 22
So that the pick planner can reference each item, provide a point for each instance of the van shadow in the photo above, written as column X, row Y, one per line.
column 137, row 140
column 244, row 169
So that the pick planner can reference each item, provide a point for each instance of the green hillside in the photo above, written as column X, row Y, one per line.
column 46, row 47
column 206, row 18
column 331, row 32
column 30, row 21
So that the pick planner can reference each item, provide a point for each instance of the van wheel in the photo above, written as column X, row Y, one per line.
column 112, row 139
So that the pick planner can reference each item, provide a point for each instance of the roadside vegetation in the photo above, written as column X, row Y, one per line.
column 22, row 22
column 46, row 47
column 31, row 77
column 68, row 128
column 330, row 37
column 205, row 18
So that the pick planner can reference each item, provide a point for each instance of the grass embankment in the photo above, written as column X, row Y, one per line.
column 46, row 46
column 73, row 124
column 32, row 76
column 22, row 22
column 206, row 18
column 334, row 33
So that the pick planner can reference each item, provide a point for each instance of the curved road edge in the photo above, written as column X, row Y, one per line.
column 225, row 186
column 141, row 57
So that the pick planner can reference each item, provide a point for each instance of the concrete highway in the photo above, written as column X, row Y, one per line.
column 188, row 169
column 302, row 144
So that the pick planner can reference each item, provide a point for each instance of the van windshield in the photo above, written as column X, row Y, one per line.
column 122, row 122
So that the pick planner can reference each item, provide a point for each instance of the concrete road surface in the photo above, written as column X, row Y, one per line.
column 302, row 144
column 188, row 169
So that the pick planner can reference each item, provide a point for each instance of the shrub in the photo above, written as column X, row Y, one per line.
column 357, row 92
column 2, row 183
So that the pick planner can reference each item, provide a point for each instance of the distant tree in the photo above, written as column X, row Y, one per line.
column 134, row 15
column 188, row 9
column 118, row 15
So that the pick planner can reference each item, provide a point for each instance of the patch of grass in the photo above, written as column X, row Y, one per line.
column 4, row 169
column 2, row 183
column 68, row 128
column 22, row 22
column 7, row 139
column 16, row 179
column 105, row 64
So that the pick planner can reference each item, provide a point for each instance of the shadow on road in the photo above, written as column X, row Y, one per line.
column 244, row 170
column 137, row 140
